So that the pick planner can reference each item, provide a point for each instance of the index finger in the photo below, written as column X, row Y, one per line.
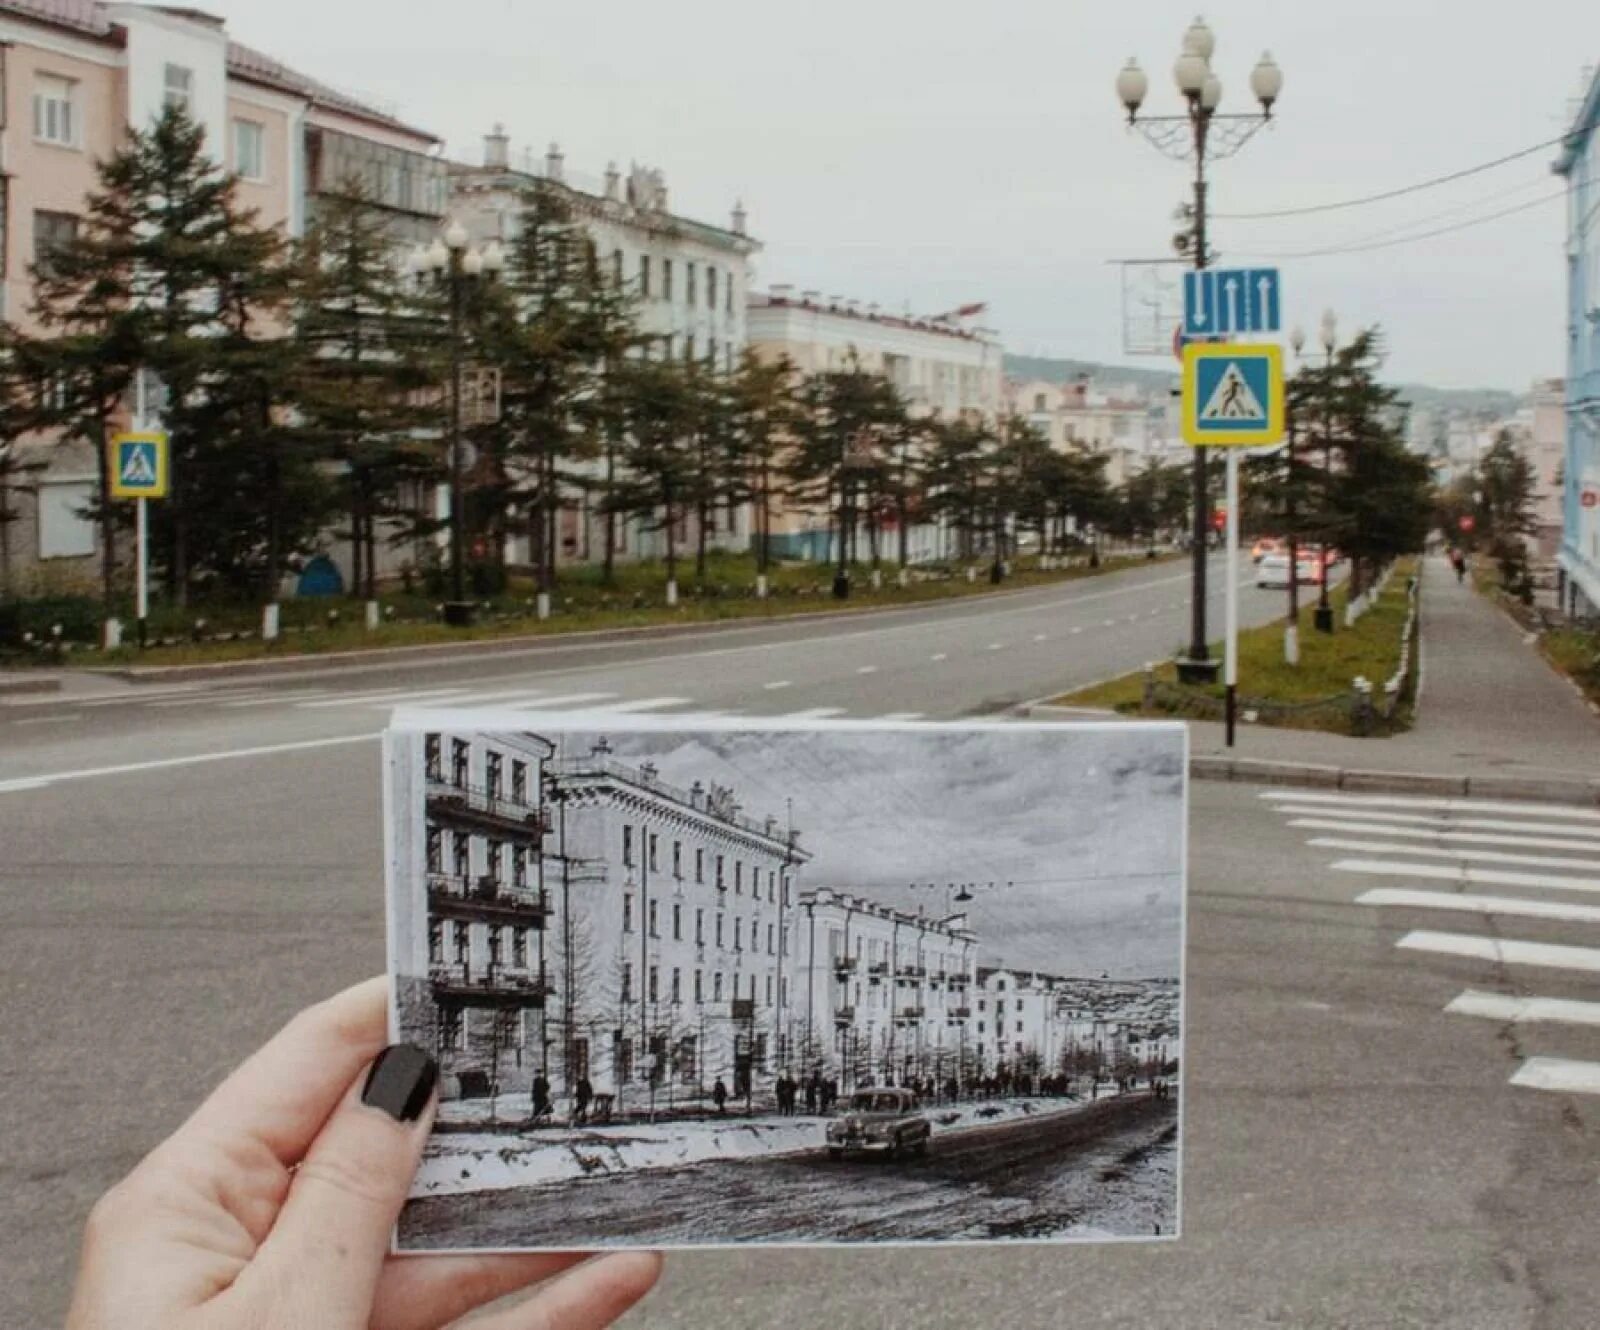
column 282, row 1094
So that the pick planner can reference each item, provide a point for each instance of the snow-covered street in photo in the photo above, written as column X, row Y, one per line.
column 1097, row 1171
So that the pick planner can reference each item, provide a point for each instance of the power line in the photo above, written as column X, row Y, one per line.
column 1395, row 193
column 1409, row 239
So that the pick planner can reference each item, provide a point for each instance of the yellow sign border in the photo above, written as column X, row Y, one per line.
column 163, row 486
column 1193, row 354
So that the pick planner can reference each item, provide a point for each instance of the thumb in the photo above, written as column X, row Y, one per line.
column 332, row 1234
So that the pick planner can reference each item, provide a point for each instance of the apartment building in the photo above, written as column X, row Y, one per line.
column 77, row 75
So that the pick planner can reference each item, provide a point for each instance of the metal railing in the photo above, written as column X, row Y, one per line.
column 478, row 799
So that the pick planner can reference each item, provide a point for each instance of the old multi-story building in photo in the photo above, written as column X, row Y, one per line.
column 477, row 873
column 670, row 933
column 688, row 277
column 77, row 75
column 1079, row 417
column 947, row 367
column 883, row 996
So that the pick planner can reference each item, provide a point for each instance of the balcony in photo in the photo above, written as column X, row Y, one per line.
column 484, row 898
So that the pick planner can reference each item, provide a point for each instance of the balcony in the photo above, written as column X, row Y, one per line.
column 912, row 1013
column 490, row 810
column 844, row 1016
column 961, row 1013
column 878, row 968
column 913, row 972
column 844, row 965
column 484, row 899
column 492, row 987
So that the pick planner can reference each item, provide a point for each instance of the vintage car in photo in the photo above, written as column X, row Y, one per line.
column 880, row 1121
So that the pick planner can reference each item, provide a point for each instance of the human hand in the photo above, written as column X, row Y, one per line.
column 272, row 1207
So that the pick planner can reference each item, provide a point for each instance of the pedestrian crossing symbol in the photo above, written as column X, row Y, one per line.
column 139, row 466
column 1232, row 395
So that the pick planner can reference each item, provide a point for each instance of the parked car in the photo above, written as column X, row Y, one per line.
column 880, row 1121
column 1264, row 546
column 1273, row 571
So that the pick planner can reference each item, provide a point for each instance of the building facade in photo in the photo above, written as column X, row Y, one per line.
column 689, row 277
column 882, row 997
column 671, row 925
column 77, row 75
column 945, row 367
column 479, row 869
column 1079, row 417
column 1579, row 164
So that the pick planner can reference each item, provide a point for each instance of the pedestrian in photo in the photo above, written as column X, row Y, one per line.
column 273, row 1206
column 582, row 1094
column 813, row 1091
column 1458, row 561
column 719, row 1097
column 541, row 1097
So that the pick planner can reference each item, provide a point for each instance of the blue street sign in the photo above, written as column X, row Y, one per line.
column 1225, row 301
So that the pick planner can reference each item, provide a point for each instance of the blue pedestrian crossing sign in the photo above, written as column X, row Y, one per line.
column 139, row 466
column 1225, row 302
column 1233, row 395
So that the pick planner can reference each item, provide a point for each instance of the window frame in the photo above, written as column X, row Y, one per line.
column 259, row 130
column 72, row 120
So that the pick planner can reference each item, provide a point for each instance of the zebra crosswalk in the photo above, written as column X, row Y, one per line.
column 1510, row 885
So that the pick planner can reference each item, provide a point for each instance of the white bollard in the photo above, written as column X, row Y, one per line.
column 972, row 574
column 543, row 606
column 112, row 638
column 761, row 586
column 905, row 578
column 877, row 580
column 1291, row 644
column 672, row 594
column 270, row 622
column 374, row 615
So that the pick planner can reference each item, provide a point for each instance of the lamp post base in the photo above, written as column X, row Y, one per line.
column 1198, row 672
column 459, row 613
column 1324, row 618
column 841, row 586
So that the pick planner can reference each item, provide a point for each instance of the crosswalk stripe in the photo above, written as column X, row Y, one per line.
column 816, row 713
column 1525, row 1010
column 476, row 699
column 1465, row 856
column 646, row 704
column 894, row 716
column 1354, row 801
column 279, row 700
column 1563, row 1075
column 1549, row 955
column 544, row 702
column 368, row 695
column 1441, row 837
column 1562, row 911
column 381, row 701
column 1451, row 823
column 139, row 697
column 1488, row 877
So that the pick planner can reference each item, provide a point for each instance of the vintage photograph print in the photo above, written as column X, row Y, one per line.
column 697, row 983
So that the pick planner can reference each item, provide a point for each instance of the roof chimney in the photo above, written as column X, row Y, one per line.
column 740, row 218
column 553, row 163
column 613, row 183
column 497, row 149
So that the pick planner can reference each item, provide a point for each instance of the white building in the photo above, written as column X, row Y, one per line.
column 945, row 367
column 881, row 996
column 690, row 277
column 1079, row 417
column 670, row 912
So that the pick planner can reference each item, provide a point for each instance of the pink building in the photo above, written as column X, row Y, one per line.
column 76, row 76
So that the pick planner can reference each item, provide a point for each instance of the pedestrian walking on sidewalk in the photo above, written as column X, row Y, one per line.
column 719, row 1097
column 1458, row 561
column 580, row 1100
column 541, row 1097
column 813, row 1090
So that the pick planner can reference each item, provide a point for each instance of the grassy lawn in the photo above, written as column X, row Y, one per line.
column 209, row 633
column 1328, row 665
column 1577, row 655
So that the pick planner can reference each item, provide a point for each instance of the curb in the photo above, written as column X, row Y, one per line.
column 1579, row 793
column 15, row 687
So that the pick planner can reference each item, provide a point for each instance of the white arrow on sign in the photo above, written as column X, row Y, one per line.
column 1264, row 289
column 1232, row 286
column 1202, row 289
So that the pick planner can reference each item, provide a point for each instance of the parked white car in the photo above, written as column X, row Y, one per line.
column 1273, row 571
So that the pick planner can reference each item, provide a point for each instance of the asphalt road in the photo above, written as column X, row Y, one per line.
column 1354, row 1155
column 1090, row 1169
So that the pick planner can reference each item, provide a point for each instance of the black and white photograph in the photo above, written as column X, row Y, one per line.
column 696, row 982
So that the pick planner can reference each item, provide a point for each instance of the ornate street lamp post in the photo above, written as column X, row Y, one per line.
column 1199, row 135
column 858, row 459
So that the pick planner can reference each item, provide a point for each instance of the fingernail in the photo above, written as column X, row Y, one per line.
column 400, row 1082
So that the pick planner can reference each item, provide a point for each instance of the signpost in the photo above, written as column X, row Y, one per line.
column 140, row 466
column 1233, row 397
column 1228, row 301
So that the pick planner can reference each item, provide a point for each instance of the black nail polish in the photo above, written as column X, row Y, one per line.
column 400, row 1082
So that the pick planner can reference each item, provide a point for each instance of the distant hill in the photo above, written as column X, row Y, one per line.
column 1477, row 401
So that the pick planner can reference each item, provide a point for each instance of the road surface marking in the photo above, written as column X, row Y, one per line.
column 280, row 700
column 941, row 656
column 896, row 716
column 1448, row 823
column 1110, row 623
column 166, row 763
column 1451, row 805
column 51, row 720
column 816, row 713
column 478, row 699
column 646, row 704
column 1432, row 852
column 133, row 695
column 778, row 685
column 1439, row 837
column 1484, row 905
column 1546, row 954
column 868, row 669
column 1077, row 630
column 1559, row 1074
column 997, row 646
column 544, row 702
column 379, row 695
column 1041, row 637
column 1525, row 1010
column 1480, row 877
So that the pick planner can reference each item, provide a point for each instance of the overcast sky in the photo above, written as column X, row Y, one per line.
column 1074, row 836
column 937, row 152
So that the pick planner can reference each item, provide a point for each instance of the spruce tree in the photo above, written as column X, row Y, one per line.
column 658, row 474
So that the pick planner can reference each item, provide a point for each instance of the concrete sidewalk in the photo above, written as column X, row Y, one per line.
column 1489, row 706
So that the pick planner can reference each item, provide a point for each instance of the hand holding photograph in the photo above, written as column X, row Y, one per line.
column 697, row 982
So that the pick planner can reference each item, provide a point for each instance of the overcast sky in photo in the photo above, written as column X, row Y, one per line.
column 1080, row 831
column 937, row 152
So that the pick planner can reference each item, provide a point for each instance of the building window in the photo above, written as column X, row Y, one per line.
column 179, row 90
column 461, row 858
column 64, row 532
column 452, row 1029
column 519, row 782
column 435, row 850
column 711, row 288
column 722, row 882
column 699, row 987
column 249, row 150
column 495, row 769
column 463, row 941
column 496, row 944
column 677, row 985
column 700, row 927
column 688, row 285
column 55, row 112
column 716, row 986
column 730, row 293
column 677, row 922
column 459, row 753
column 738, row 934
column 719, row 930
column 644, row 276
column 627, row 847
column 666, row 280
column 616, row 267
column 627, row 913
column 493, row 866
column 688, row 347
column 769, row 990
column 627, row 982
column 700, row 866
column 771, row 947
column 677, row 860
column 53, row 232
column 655, row 993
column 433, row 757
column 435, row 942
column 519, row 948
column 519, row 866
column 652, row 913
column 653, row 864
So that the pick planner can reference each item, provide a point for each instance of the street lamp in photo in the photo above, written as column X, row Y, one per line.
column 453, row 265
column 1199, row 134
column 1330, row 343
